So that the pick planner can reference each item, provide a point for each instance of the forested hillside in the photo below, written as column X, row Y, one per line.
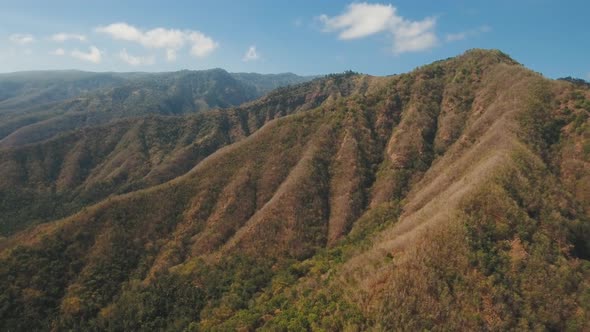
column 453, row 197
column 57, row 177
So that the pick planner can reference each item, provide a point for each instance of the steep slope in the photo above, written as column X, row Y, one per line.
column 490, row 237
column 54, row 178
column 451, row 197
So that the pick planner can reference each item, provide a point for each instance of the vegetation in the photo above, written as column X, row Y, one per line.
column 60, row 176
column 453, row 197
column 39, row 105
column 574, row 80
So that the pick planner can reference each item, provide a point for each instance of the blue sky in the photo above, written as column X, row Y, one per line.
column 304, row 37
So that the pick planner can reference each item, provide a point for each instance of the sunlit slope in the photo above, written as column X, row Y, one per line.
column 451, row 197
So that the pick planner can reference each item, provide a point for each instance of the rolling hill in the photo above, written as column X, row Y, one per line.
column 453, row 197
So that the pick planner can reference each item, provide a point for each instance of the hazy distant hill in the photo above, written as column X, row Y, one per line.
column 24, row 89
column 453, row 197
column 37, row 105
column 267, row 82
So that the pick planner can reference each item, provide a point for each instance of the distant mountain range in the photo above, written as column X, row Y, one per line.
column 454, row 197
column 37, row 105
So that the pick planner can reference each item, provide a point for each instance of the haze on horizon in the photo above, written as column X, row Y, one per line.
column 306, row 37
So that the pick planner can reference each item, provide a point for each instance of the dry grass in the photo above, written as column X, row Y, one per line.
column 294, row 185
column 484, row 147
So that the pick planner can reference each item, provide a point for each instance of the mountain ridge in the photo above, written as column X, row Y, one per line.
column 449, row 197
column 168, row 135
column 68, row 100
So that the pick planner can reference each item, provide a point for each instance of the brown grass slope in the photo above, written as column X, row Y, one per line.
column 490, row 237
column 57, row 177
column 296, row 226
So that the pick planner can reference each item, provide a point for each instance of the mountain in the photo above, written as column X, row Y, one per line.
column 454, row 197
column 268, row 82
column 35, row 106
column 59, row 176
column 24, row 89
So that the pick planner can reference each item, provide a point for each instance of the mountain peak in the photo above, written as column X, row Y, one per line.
column 492, row 54
column 478, row 57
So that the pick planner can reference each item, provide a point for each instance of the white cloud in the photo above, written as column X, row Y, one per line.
column 201, row 44
column 121, row 31
column 170, row 39
column 251, row 54
column 94, row 55
column 360, row 20
column 58, row 51
column 136, row 60
column 451, row 37
column 365, row 19
column 414, row 36
column 22, row 39
column 162, row 38
column 170, row 55
column 63, row 37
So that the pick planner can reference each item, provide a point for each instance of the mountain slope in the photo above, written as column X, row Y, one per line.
column 451, row 197
column 59, row 176
column 55, row 102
